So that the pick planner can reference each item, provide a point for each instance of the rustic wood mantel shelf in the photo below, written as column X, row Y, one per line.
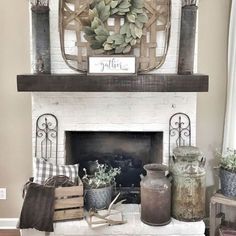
column 114, row 83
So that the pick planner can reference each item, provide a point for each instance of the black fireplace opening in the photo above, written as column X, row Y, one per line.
column 128, row 150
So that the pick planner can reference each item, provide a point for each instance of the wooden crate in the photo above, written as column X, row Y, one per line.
column 69, row 203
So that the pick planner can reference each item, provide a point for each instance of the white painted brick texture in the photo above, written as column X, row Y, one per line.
column 113, row 112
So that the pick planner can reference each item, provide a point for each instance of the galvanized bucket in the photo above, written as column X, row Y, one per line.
column 99, row 198
column 228, row 183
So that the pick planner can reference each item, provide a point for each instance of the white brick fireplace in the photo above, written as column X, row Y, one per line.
column 113, row 111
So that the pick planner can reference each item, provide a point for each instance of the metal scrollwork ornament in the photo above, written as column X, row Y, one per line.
column 179, row 130
column 46, row 140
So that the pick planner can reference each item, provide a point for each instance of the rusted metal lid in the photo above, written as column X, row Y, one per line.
column 153, row 167
column 186, row 151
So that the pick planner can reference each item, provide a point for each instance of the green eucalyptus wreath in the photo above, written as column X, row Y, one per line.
column 97, row 33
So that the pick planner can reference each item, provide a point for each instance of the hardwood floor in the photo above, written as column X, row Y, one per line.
column 9, row 232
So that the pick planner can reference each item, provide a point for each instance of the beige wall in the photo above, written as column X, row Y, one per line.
column 15, row 108
column 212, row 58
column 15, row 116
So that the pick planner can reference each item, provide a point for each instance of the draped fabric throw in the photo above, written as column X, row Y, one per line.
column 38, row 208
column 230, row 117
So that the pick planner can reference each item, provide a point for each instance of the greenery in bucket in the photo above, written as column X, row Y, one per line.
column 228, row 160
column 104, row 176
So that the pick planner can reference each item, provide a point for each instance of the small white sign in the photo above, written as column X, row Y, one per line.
column 112, row 65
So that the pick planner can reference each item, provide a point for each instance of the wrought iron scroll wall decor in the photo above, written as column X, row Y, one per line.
column 46, row 137
column 179, row 130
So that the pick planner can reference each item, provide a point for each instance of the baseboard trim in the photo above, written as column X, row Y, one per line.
column 8, row 223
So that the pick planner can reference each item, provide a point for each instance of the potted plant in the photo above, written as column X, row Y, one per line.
column 228, row 173
column 98, row 187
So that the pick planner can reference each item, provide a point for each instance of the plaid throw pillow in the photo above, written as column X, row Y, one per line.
column 44, row 170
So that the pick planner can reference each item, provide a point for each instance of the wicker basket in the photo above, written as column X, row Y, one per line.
column 150, row 52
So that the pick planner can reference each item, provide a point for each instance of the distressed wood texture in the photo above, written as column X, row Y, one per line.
column 227, row 232
column 217, row 201
column 85, row 83
column 69, row 214
column 69, row 203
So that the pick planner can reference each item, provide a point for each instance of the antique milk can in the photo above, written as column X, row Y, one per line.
column 188, row 186
column 155, row 195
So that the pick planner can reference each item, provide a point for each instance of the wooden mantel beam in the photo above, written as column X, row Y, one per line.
column 114, row 83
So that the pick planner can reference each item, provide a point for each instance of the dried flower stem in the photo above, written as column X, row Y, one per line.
column 103, row 176
column 228, row 160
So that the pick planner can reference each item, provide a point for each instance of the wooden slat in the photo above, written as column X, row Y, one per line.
column 225, row 232
column 73, row 1
column 71, row 57
column 68, row 214
column 115, row 83
column 219, row 198
column 69, row 191
column 69, row 203
column 71, row 27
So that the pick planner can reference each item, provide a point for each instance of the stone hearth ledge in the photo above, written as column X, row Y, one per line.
column 134, row 227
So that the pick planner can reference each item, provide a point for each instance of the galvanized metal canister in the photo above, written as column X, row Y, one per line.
column 188, row 186
column 41, row 38
column 187, row 39
column 155, row 195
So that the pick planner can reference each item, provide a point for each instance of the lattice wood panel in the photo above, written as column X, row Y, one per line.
column 151, row 50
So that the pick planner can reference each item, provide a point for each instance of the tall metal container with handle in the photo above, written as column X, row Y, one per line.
column 188, row 186
column 155, row 195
